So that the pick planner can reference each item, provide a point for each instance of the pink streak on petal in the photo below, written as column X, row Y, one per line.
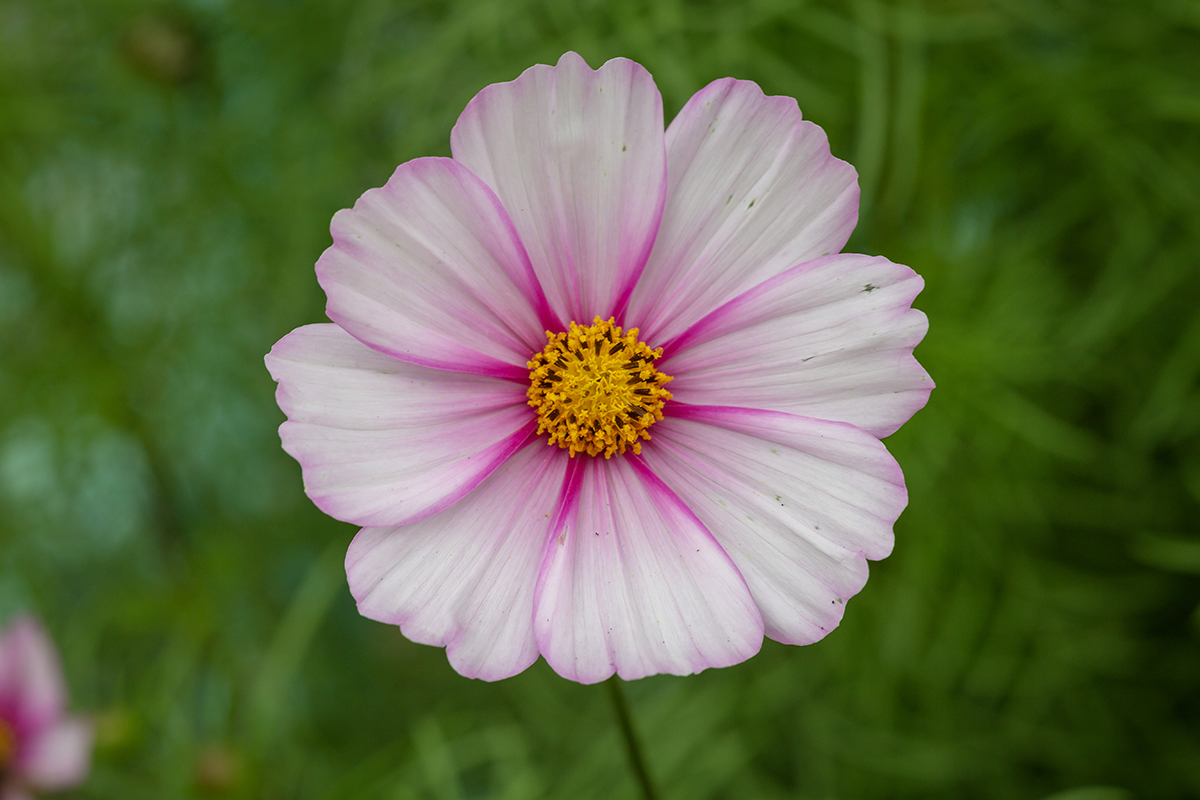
column 567, row 506
column 32, row 692
column 429, row 270
column 799, row 505
column 632, row 582
column 854, row 466
column 752, row 190
column 59, row 757
column 384, row 442
column 577, row 158
column 831, row 338
column 464, row 578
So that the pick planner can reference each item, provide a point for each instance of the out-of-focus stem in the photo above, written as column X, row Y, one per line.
column 636, row 761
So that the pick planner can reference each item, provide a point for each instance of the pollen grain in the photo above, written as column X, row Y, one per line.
column 596, row 390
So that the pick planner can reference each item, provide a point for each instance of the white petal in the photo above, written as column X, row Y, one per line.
column 59, row 757
column 577, row 158
column 830, row 339
column 464, row 578
column 385, row 442
column 752, row 190
column 797, row 503
column 428, row 269
column 633, row 583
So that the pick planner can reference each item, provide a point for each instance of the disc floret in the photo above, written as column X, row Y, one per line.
column 595, row 388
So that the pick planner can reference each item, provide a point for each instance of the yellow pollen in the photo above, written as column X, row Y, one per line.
column 8, row 744
column 595, row 389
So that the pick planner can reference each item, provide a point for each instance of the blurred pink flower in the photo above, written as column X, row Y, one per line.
column 41, row 748
column 484, row 307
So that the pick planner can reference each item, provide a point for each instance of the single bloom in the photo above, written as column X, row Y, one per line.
column 606, row 394
column 41, row 747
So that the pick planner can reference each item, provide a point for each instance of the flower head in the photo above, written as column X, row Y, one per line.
column 491, row 401
column 41, row 748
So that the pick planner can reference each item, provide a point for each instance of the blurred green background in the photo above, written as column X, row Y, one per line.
column 167, row 175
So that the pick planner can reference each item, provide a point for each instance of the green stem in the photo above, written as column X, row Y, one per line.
column 636, row 761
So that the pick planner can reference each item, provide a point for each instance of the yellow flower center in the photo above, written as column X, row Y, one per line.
column 8, row 744
column 595, row 389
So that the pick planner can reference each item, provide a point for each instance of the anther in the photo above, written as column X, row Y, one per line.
column 595, row 389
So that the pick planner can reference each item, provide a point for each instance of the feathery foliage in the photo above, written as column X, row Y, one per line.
column 167, row 174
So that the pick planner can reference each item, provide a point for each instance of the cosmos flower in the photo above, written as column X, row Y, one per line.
column 604, row 394
column 41, row 748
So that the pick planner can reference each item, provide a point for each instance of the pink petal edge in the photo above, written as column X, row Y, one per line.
column 798, row 504
column 752, row 190
column 31, row 681
column 385, row 442
column 577, row 157
column 464, row 578
column 429, row 269
column 632, row 583
column 830, row 339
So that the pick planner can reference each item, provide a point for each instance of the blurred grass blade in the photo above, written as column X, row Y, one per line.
column 284, row 656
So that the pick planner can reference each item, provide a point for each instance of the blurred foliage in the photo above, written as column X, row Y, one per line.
column 167, row 174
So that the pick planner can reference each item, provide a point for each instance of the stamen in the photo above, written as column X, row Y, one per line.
column 614, row 396
column 8, row 746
